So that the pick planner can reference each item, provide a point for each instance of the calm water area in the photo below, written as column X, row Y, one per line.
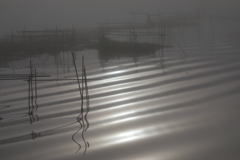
column 179, row 103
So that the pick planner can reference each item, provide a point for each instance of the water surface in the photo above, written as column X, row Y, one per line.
column 178, row 103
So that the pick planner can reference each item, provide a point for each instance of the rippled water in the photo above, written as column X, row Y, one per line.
column 170, row 105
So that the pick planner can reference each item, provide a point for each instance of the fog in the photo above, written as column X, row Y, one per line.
column 40, row 14
column 165, row 87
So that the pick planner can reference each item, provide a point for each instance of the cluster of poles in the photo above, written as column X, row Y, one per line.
column 31, row 78
column 32, row 89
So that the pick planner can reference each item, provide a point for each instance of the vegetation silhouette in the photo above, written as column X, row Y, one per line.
column 112, row 49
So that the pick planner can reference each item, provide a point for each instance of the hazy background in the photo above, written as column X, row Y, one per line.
column 41, row 14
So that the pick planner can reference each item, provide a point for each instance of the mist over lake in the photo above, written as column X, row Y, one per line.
column 119, row 80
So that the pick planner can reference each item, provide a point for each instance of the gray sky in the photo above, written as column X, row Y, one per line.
column 39, row 14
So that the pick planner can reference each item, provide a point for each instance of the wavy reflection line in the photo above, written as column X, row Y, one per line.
column 84, row 81
column 75, row 134
column 30, row 109
column 30, row 96
column 81, row 117
column 82, row 114
column 32, row 118
column 84, row 142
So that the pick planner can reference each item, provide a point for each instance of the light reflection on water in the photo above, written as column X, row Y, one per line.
column 138, row 110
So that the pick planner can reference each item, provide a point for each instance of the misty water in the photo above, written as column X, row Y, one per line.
column 180, row 102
